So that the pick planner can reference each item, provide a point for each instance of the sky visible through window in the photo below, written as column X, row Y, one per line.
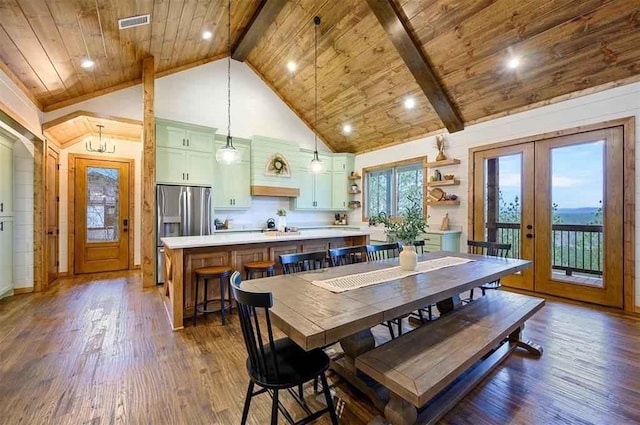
column 577, row 176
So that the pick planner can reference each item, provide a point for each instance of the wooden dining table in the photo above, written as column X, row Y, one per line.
column 314, row 317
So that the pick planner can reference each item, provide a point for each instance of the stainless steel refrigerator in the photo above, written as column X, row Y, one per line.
column 181, row 211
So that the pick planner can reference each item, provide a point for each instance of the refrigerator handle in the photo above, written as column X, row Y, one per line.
column 181, row 211
column 160, row 212
column 209, row 211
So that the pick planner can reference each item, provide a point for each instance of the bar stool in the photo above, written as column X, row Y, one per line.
column 253, row 267
column 204, row 274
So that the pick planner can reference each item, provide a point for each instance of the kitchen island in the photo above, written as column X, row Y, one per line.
column 183, row 255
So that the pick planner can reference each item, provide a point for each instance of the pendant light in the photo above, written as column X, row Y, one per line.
column 228, row 154
column 102, row 144
column 317, row 166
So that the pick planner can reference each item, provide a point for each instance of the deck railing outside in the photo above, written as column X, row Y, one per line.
column 575, row 247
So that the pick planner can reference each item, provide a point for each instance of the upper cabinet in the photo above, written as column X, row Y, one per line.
column 340, row 185
column 232, row 189
column 315, row 189
column 6, row 178
column 184, row 153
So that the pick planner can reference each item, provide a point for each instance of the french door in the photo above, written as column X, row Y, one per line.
column 101, row 218
column 559, row 202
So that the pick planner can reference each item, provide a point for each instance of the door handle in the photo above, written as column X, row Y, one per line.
column 182, row 176
column 529, row 227
column 125, row 225
column 1, row 226
column 50, row 232
column 529, row 235
column 187, row 173
column 1, row 206
column 183, row 139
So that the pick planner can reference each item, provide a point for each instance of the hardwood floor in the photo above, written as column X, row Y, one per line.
column 101, row 352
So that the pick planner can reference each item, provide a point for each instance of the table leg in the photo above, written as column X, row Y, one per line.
column 353, row 346
column 400, row 412
column 530, row 346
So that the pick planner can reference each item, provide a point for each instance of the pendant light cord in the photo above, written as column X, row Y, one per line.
column 229, row 73
column 316, row 22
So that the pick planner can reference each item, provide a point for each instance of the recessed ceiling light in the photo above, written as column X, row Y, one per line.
column 346, row 129
column 513, row 63
column 207, row 35
column 87, row 63
column 409, row 103
column 291, row 66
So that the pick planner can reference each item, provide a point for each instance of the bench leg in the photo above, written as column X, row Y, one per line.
column 530, row 346
column 448, row 305
column 400, row 412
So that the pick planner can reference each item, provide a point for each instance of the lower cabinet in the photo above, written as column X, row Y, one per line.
column 6, row 259
column 449, row 241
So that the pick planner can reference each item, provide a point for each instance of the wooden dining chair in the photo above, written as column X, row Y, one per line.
column 347, row 255
column 277, row 365
column 297, row 263
column 493, row 249
column 382, row 252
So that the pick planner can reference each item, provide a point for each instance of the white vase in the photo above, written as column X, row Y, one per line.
column 282, row 223
column 408, row 258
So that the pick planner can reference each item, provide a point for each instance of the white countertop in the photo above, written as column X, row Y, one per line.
column 249, row 238
column 301, row 227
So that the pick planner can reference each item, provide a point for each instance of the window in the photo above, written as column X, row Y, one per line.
column 387, row 188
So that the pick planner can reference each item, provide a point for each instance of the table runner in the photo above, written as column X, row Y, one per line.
column 361, row 280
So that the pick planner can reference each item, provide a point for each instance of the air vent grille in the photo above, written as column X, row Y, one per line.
column 134, row 21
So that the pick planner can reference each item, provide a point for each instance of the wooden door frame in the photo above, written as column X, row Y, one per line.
column 51, row 147
column 629, row 201
column 71, row 210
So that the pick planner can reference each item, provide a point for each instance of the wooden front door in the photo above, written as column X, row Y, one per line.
column 52, row 203
column 558, row 202
column 101, row 218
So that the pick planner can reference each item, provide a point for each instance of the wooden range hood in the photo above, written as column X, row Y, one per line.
column 286, row 192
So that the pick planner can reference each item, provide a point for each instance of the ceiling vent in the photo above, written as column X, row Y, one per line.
column 134, row 21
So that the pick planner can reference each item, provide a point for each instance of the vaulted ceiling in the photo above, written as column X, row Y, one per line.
column 564, row 46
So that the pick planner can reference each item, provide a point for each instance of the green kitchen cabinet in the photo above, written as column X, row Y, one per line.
column 315, row 189
column 232, row 183
column 6, row 178
column 184, row 153
column 340, row 184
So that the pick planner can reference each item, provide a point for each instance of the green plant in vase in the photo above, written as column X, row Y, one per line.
column 406, row 228
column 282, row 220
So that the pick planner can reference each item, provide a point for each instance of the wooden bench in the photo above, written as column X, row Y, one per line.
column 434, row 366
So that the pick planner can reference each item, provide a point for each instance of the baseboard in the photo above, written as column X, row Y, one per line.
column 6, row 292
column 18, row 291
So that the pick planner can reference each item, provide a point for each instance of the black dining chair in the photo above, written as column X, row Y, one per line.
column 277, row 365
column 419, row 246
column 382, row 252
column 297, row 263
column 419, row 314
column 347, row 255
column 493, row 249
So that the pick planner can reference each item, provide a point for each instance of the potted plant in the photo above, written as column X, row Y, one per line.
column 282, row 220
column 406, row 228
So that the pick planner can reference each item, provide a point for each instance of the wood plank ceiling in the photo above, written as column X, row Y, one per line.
column 563, row 45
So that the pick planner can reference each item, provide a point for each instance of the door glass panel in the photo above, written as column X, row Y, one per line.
column 502, row 208
column 577, row 188
column 102, row 204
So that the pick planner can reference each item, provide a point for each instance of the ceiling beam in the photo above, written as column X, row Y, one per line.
column 260, row 21
column 396, row 27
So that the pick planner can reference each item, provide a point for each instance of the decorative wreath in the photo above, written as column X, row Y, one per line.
column 277, row 165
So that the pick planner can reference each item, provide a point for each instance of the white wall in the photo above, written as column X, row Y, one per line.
column 19, row 103
column 23, row 213
column 607, row 105
column 124, row 149
column 199, row 96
